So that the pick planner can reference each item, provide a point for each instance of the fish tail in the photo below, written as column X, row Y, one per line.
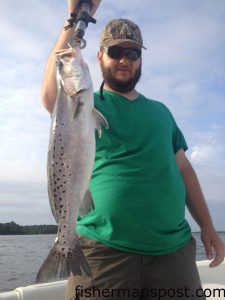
column 81, row 262
column 60, row 265
column 49, row 267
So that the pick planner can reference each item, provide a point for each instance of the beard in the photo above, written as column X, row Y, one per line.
column 121, row 86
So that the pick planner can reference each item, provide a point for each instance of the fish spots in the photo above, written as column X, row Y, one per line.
column 58, row 170
column 61, row 174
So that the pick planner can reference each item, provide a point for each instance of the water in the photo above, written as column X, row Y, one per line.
column 22, row 255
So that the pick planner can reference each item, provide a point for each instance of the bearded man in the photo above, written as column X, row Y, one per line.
column 136, row 240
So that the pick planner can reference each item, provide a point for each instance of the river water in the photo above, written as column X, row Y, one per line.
column 22, row 255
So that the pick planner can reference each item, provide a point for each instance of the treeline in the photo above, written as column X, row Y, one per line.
column 13, row 228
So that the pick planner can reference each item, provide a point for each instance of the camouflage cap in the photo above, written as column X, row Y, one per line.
column 119, row 31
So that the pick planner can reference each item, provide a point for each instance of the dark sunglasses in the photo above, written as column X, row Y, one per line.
column 116, row 52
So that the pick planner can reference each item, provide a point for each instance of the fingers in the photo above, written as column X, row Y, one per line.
column 208, row 248
column 217, row 245
column 72, row 4
column 219, row 251
column 217, row 261
column 213, row 242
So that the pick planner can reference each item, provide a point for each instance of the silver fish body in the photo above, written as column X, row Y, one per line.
column 71, row 157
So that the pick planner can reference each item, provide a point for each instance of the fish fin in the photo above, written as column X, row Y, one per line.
column 76, row 108
column 51, row 188
column 87, row 204
column 77, row 111
column 58, row 265
column 100, row 120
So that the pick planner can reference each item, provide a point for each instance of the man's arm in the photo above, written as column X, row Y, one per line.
column 197, row 206
column 49, row 85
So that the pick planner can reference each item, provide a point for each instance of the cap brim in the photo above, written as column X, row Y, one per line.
column 116, row 42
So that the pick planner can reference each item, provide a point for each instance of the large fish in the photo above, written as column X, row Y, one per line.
column 71, row 157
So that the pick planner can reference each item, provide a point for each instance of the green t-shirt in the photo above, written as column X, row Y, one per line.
column 138, row 192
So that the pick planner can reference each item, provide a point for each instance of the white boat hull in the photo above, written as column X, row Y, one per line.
column 213, row 280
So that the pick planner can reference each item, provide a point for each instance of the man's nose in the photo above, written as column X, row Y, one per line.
column 124, row 60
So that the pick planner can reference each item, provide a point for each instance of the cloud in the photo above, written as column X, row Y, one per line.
column 207, row 156
column 25, row 28
column 184, row 61
column 25, row 203
column 208, row 147
column 24, row 134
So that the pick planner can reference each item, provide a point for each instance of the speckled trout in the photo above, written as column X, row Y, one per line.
column 71, row 157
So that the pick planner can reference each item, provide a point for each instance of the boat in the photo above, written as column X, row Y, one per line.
column 213, row 281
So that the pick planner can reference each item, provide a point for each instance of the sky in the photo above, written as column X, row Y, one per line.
column 183, row 67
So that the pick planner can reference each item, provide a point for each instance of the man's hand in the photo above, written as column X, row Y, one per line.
column 73, row 3
column 197, row 206
column 214, row 246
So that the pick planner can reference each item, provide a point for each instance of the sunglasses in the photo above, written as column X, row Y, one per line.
column 116, row 52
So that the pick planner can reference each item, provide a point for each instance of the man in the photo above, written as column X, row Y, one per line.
column 137, row 241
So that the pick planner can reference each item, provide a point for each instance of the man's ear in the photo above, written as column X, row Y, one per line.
column 99, row 56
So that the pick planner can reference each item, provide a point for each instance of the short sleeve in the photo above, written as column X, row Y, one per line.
column 178, row 139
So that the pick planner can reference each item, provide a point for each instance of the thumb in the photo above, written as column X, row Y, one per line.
column 72, row 4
